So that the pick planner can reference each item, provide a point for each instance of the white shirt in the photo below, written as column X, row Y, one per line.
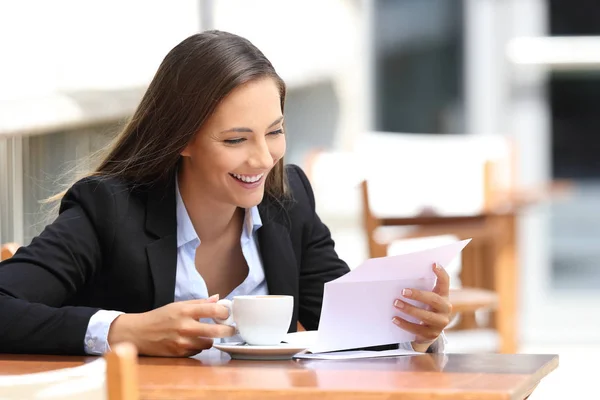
column 189, row 284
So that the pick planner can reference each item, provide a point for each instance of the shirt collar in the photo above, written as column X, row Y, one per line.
column 186, row 232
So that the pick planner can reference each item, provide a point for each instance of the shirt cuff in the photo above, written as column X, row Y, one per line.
column 405, row 346
column 439, row 346
column 96, row 336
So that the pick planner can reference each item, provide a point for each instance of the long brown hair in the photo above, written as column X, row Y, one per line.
column 190, row 82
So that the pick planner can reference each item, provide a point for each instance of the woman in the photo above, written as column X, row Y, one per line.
column 192, row 202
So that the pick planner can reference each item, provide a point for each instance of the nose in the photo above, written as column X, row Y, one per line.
column 261, row 157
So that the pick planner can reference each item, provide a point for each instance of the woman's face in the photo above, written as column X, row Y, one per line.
column 234, row 151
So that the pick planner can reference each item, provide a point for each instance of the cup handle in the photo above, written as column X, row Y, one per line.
column 229, row 305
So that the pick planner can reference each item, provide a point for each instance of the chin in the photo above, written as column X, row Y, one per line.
column 251, row 201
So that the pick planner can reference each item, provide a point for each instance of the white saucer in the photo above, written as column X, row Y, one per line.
column 243, row 351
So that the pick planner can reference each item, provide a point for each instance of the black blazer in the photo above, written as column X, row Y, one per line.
column 114, row 246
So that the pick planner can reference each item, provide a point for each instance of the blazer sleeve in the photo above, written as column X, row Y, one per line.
column 319, row 262
column 37, row 282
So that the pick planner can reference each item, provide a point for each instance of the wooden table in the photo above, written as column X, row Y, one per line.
column 423, row 377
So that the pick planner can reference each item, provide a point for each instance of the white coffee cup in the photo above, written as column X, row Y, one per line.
column 260, row 320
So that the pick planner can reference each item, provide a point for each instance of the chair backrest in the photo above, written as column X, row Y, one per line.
column 370, row 224
column 451, row 174
column 8, row 250
column 402, row 175
column 113, row 377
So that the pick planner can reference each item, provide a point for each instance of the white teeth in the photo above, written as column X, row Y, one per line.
column 248, row 179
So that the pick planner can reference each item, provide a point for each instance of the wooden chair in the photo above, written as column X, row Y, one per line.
column 338, row 179
column 113, row 377
column 456, row 184
column 466, row 301
column 466, row 181
column 469, row 185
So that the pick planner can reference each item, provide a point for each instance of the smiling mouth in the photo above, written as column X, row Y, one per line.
column 248, row 178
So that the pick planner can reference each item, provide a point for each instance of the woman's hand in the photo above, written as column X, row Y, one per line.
column 434, row 318
column 173, row 330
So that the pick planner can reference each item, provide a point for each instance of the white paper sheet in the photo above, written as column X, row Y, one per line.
column 358, row 307
column 356, row 354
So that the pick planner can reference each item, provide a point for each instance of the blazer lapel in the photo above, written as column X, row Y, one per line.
column 161, row 220
column 278, row 257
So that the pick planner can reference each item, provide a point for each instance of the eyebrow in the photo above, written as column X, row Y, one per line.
column 248, row 130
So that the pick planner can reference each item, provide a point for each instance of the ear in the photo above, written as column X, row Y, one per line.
column 187, row 151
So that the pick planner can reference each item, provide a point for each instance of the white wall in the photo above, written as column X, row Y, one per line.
column 49, row 46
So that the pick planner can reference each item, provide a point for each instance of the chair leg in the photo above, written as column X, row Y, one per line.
column 505, row 273
column 468, row 279
column 122, row 372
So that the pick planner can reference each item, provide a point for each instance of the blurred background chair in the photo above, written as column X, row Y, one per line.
column 406, row 186
column 472, row 287
column 114, row 377
column 427, row 185
column 463, row 185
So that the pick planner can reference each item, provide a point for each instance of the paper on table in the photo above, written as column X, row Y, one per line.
column 308, row 338
column 358, row 307
column 356, row 354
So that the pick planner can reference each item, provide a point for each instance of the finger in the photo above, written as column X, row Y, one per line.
column 433, row 300
column 206, row 310
column 442, row 286
column 194, row 328
column 217, row 331
column 423, row 332
column 193, row 345
column 432, row 319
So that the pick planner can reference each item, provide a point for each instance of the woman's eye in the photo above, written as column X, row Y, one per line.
column 277, row 132
column 240, row 140
column 234, row 141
